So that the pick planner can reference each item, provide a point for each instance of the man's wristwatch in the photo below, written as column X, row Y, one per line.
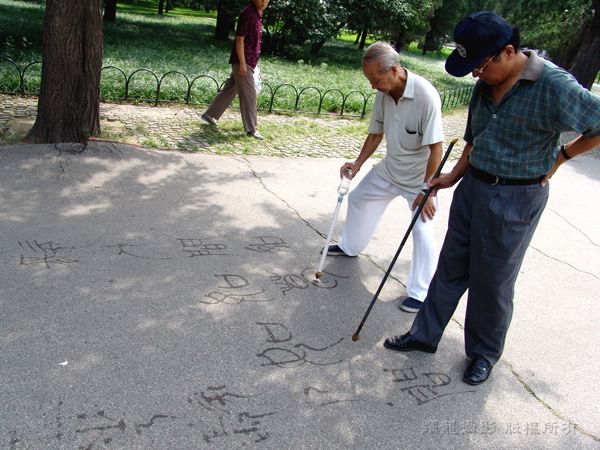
column 563, row 152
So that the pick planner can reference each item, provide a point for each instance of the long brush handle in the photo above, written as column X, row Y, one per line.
column 328, row 239
column 410, row 227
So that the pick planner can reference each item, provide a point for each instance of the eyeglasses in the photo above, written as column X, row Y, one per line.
column 479, row 70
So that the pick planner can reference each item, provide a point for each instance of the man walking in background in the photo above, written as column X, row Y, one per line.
column 408, row 112
column 520, row 106
column 243, row 59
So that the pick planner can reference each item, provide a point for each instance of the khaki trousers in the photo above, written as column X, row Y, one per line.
column 245, row 89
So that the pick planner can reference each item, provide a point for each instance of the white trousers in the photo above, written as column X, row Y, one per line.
column 366, row 204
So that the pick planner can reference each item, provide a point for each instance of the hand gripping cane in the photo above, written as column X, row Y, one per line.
column 410, row 227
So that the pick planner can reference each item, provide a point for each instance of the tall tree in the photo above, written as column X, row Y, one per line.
column 585, row 63
column 69, row 101
column 110, row 10
column 363, row 20
column 301, row 25
column 567, row 30
column 226, row 13
column 399, row 21
column 442, row 23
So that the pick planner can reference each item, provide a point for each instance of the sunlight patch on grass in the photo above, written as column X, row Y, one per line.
column 183, row 41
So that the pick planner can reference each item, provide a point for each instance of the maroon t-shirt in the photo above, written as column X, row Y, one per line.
column 250, row 27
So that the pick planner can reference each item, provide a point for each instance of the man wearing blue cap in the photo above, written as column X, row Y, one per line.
column 521, row 103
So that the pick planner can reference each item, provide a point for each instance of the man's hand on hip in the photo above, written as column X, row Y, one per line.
column 428, row 210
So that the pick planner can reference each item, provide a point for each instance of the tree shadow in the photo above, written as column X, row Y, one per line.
column 177, row 288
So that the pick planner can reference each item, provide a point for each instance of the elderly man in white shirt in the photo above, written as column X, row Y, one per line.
column 408, row 112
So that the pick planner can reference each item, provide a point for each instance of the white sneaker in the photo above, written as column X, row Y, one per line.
column 255, row 135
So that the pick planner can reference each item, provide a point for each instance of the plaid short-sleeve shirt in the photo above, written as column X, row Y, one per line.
column 518, row 138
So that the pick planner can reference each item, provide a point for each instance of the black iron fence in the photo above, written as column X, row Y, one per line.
column 456, row 97
column 143, row 85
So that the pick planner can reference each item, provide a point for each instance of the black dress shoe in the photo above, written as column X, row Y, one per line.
column 478, row 371
column 406, row 343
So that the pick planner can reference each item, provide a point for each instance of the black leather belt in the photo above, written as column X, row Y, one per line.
column 493, row 179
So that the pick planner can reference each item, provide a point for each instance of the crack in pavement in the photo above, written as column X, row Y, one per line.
column 537, row 398
column 58, row 158
column 383, row 269
column 518, row 377
column 260, row 180
column 573, row 226
column 60, row 151
column 556, row 413
column 306, row 222
column 565, row 263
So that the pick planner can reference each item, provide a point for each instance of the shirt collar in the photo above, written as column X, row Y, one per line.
column 531, row 72
column 534, row 67
column 409, row 89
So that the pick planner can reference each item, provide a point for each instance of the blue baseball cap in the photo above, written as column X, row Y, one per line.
column 478, row 36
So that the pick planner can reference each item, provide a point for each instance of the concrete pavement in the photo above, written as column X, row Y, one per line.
column 165, row 300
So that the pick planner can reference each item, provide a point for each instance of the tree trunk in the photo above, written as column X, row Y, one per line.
column 399, row 42
column 225, row 22
column 161, row 7
column 69, row 102
column 429, row 44
column 586, row 63
column 266, row 40
column 316, row 47
column 363, row 39
column 110, row 10
column 357, row 40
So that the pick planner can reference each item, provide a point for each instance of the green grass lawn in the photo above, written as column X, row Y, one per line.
column 182, row 41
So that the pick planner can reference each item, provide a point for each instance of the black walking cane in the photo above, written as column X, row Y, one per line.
column 410, row 227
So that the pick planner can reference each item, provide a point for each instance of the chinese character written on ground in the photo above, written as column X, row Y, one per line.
column 269, row 244
column 126, row 249
column 319, row 397
column 305, row 280
column 286, row 354
column 233, row 290
column 228, row 415
column 100, row 427
column 202, row 247
column 424, row 387
column 44, row 253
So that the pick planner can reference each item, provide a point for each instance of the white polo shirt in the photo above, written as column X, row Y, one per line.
column 410, row 126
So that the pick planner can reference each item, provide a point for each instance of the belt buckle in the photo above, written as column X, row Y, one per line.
column 496, row 181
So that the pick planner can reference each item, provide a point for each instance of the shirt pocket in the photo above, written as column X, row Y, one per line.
column 520, row 126
column 410, row 139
